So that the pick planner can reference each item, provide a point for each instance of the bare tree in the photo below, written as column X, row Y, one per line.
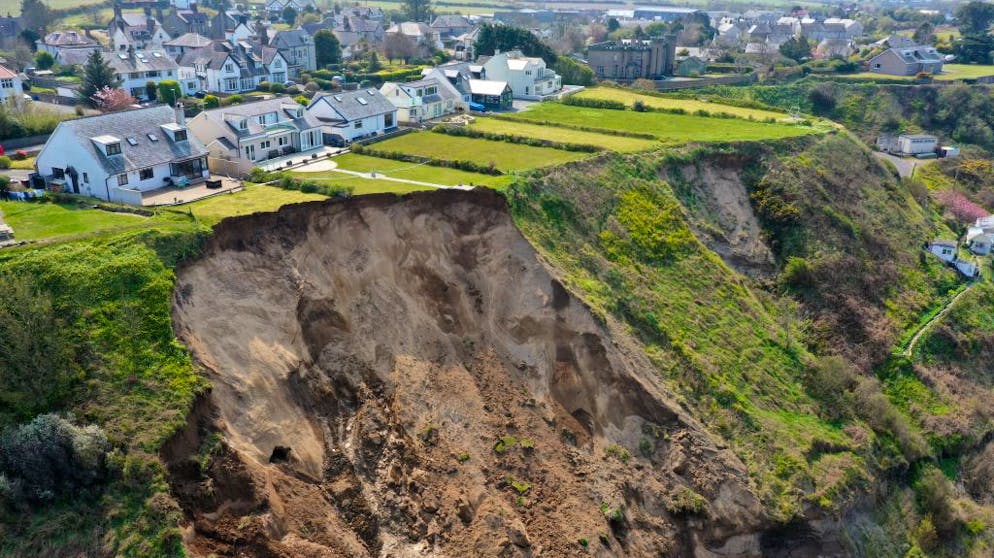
column 398, row 46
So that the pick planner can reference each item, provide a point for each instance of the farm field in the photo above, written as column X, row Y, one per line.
column 614, row 143
column 690, row 105
column 409, row 171
column 669, row 128
column 34, row 221
column 505, row 156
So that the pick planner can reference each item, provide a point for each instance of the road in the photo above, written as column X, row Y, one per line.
column 905, row 167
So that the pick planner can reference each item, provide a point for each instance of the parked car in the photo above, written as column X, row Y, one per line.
column 200, row 94
column 289, row 83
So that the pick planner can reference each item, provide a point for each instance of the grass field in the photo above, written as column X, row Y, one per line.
column 34, row 221
column 690, row 105
column 506, row 156
column 614, row 143
column 669, row 128
column 411, row 171
column 361, row 186
column 950, row 72
column 253, row 199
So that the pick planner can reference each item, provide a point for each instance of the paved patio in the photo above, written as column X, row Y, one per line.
column 296, row 159
column 176, row 196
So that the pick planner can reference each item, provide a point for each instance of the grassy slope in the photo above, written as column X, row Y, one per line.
column 669, row 128
column 628, row 97
column 614, row 143
column 506, row 156
column 33, row 221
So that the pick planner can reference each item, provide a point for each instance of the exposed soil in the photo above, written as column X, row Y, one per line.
column 367, row 357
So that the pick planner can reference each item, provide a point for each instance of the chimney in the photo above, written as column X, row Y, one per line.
column 180, row 117
column 193, row 7
column 117, row 11
column 131, row 53
column 158, row 13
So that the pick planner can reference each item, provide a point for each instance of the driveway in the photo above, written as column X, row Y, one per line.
column 905, row 167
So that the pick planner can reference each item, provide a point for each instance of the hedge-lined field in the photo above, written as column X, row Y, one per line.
column 614, row 143
column 505, row 156
column 627, row 96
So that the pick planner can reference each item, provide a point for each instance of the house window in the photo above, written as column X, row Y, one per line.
column 250, row 152
column 7, row 83
column 358, row 124
column 113, row 149
column 86, row 178
column 122, row 179
column 388, row 120
column 231, row 84
column 145, row 174
column 282, row 140
column 277, row 64
column 229, row 68
column 58, row 173
column 179, row 135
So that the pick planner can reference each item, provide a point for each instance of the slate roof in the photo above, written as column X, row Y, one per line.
column 228, row 117
column 137, row 124
column 68, row 39
column 291, row 38
column 189, row 40
column 349, row 107
column 143, row 61
column 445, row 21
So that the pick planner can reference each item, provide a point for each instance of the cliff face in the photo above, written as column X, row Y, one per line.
column 405, row 376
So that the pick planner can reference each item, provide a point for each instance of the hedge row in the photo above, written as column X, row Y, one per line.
column 594, row 129
column 699, row 112
column 575, row 101
column 464, row 131
column 469, row 166
column 286, row 181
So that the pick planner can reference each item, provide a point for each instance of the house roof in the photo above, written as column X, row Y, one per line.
column 355, row 105
column 487, row 87
column 189, row 40
column 451, row 21
column 137, row 124
column 919, row 136
column 411, row 29
column 68, row 39
column 6, row 72
column 291, row 38
column 228, row 118
column 140, row 61
column 943, row 243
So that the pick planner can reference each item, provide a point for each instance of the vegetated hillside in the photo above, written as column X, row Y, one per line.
column 404, row 376
column 958, row 113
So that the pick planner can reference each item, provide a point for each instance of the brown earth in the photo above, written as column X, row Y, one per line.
column 367, row 357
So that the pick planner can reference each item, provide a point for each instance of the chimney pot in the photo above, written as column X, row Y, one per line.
column 180, row 116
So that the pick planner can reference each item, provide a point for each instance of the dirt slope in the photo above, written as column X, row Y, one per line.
column 367, row 358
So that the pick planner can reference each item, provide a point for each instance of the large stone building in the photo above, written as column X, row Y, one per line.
column 630, row 59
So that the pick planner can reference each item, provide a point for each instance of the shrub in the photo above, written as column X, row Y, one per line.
column 575, row 101
column 639, row 106
column 264, row 86
column 234, row 100
column 4, row 162
column 50, row 456
column 301, row 100
column 211, row 102
column 293, row 90
column 277, row 88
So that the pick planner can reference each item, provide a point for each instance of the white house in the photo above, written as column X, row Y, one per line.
column 527, row 76
column 297, row 48
column 944, row 249
column 352, row 115
column 980, row 236
column 138, row 31
column 276, row 7
column 185, row 43
column 11, row 90
column 424, row 99
column 136, row 69
column 120, row 155
column 258, row 131
column 59, row 42
column 233, row 68
column 916, row 144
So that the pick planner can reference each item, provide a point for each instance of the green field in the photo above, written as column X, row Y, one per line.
column 614, row 143
column 409, row 171
column 505, row 156
column 361, row 186
column 669, row 128
column 950, row 72
column 628, row 97
column 253, row 199
column 34, row 221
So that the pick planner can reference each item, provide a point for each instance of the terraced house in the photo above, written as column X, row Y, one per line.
column 136, row 69
column 121, row 156
column 297, row 47
column 256, row 132
column 234, row 67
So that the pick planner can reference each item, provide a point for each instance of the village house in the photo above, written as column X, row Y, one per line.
column 185, row 43
column 297, row 48
column 119, row 156
column 59, row 43
column 907, row 61
column 424, row 99
column 350, row 115
column 916, row 144
column 276, row 7
column 449, row 27
column 259, row 131
column 234, row 68
column 631, row 59
column 421, row 34
column 980, row 236
column 11, row 89
column 135, row 69
column 137, row 31
column 182, row 21
column 230, row 26
column 527, row 76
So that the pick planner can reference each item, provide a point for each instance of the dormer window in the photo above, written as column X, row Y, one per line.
column 175, row 131
column 179, row 135
column 243, row 124
column 113, row 148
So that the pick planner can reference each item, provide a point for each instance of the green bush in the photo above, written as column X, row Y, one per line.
column 4, row 162
column 264, row 86
column 575, row 101
column 49, row 457
column 211, row 102
column 277, row 88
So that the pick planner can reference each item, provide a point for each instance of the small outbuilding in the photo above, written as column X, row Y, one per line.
column 944, row 249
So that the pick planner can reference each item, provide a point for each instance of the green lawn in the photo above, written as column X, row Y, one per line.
column 34, row 221
column 614, row 143
column 361, row 186
column 23, row 164
column 669, row 128
column 628, row 97
column 505, row 156
column 409, row 171
column 950, row 72
column 253, row 199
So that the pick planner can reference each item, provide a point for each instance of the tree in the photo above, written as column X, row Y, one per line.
column 796, row 49
column 397, row 46
column 327, row 49
column 151, row 90
column 112, row 100
column 573, row 72
column 373, row 62
column 416, row 10
column 974, row 18
column 169, row 92
column 97, row 74
column 35, row 15
column 505, row 37
column 289, row 15
column 36, row 356
column 613, row 25
column 44, row 60
column 974, row 48
column 924, row 34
